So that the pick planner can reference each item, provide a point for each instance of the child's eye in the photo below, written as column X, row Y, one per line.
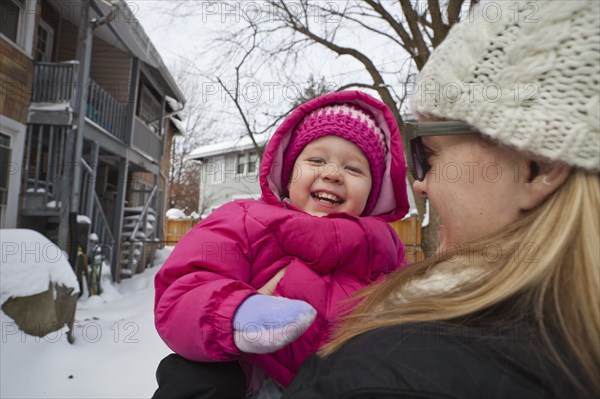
column 316, row 161
column 355, row 170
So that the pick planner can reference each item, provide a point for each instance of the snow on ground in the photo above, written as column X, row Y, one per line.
column 115, row 354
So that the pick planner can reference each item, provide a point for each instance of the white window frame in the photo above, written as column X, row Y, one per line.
column 26, row 27
column 240, row 156
column 255, row 163
column 217, row 178
column 247, row 157
column 16, row 131
column 47, row 57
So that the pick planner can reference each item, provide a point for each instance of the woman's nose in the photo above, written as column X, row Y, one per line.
column 419, row 188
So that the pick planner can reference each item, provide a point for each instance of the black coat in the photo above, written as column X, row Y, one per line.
column 434, row 361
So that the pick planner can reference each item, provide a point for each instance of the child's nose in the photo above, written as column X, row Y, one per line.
column 331, row 173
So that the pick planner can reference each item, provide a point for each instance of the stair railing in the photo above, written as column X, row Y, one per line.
column 90, row 206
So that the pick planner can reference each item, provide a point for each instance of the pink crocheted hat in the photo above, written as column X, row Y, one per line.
column 349, row 122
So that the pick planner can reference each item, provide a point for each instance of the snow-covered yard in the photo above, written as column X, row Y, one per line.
column 115, row 353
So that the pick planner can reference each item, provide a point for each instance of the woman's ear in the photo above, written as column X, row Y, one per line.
column 545, row 179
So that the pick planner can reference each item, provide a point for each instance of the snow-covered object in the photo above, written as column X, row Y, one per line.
column 29, row 262
column 113, row 328
column 52, row 107
column 83, row 219
column 175, row 213
column 52, row 204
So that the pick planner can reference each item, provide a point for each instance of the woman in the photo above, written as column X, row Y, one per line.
column 507, row 151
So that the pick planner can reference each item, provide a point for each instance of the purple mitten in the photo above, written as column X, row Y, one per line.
column 265, row 323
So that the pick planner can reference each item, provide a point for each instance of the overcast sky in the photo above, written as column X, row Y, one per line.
column 191, row 36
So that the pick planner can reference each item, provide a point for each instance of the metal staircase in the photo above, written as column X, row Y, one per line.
column 139, row 237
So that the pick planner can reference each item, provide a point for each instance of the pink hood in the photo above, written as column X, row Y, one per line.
column 392, row 203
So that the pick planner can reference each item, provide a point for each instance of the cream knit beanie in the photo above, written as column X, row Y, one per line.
column 525, row 73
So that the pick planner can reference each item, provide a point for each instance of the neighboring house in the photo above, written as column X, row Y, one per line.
column 89, row 111
column 229, row 172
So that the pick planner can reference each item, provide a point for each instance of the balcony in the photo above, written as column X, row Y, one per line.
column 54, row 100
column 53, row 96
column 145, row 140
column 102, row 109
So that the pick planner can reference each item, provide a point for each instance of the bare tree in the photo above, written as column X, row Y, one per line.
column 416, row 27
column 184, row 175
column 279, row 35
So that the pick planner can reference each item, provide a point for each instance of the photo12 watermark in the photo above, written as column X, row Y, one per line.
column 255, row 92
column 255, row 12
column 88, row 331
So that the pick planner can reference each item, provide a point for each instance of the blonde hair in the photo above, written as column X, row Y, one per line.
column 549, row 267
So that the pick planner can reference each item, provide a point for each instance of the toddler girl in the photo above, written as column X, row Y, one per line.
column 332, row 177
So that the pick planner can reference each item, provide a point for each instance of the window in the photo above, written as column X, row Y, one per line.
column 215, row 168
column 5, row 157
column 12, row 12
column 252, row 163
column 45, row 40
column 246, row 163
column 17, row 23
column 240, row 164
column 149, row 108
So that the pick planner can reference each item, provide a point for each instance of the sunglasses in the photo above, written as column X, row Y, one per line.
column 416, row 130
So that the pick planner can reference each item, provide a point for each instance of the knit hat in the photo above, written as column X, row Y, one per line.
column 524, row 73
column 348, row 122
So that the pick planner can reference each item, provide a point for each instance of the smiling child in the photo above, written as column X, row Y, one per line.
column 333, row 175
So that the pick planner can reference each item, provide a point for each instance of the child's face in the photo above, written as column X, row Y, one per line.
column 331, row 174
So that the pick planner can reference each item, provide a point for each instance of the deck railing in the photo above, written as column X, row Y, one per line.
column 54, row 82
column 105, row 111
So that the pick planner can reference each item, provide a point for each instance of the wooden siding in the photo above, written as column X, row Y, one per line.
column 66, row 41
column 16, row 79
column 52, row 18
column 110, row 66
column 111, row 69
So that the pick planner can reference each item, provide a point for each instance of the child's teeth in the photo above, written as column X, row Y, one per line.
column 328, row 197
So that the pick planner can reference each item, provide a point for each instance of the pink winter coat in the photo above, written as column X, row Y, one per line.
column 243, row 244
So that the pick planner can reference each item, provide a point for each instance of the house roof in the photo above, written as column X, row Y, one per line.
column 240, row 144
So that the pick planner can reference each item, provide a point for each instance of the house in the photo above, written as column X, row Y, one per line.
column 229, row 171
column 89, row 111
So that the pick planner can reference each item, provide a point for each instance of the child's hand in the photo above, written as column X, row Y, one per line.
column 265, row 323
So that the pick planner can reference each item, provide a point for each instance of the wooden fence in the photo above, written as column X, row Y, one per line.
column 409, row 231
column 176, row 228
